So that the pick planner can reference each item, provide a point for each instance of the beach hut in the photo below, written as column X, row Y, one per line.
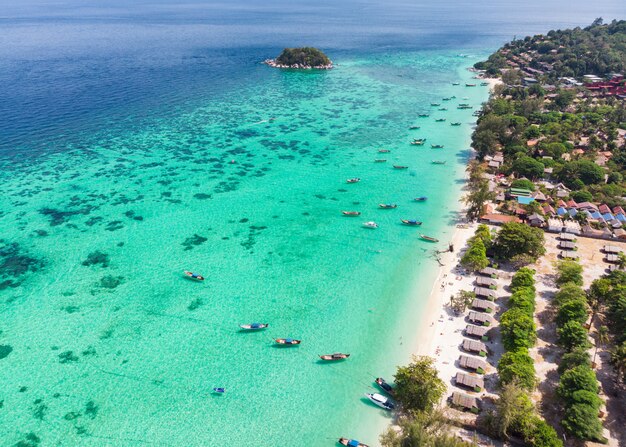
column 568, row 255
column 474, row 383
column 484, row 305
column 611, row 249
column 481, row 332
column 485, row 292
column 567, row 245
column 567, row 237
column 475, row 346
column 480, row 318
column 612, row 258
column 490, row 272
column 472, row 363
column 486, row 282
column 465, row 402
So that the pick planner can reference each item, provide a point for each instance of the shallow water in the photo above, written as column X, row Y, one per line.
column 124, row 164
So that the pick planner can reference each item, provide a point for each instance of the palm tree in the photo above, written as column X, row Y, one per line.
column 618, row 359
column 602, row 338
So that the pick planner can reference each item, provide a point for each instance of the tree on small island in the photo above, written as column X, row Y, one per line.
column 305, row 57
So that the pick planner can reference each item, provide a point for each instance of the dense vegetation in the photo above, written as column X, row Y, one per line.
column 578, row 387
column 303, row 57
column 597, row 49
column 519, row 243
column 475, row 257
column 553, row 127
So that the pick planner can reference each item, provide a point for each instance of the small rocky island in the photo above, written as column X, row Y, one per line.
column 301, row 58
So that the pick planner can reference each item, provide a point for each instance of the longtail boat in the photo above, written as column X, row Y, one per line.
column 420, row 199
column 438, row 162
column 194, row 276
column 353, row 180
column 428, row 238
column 400, row 167
column 351, row 442
column 380, row 160
column 383, row 385
column 384, row 151
column 253, row 326
column 412, row 223
column 388, row 206
column 334, row 357
column 440, row 120
column 351, row 213
column 287, row 341
column 437, row 146
column 455, row 124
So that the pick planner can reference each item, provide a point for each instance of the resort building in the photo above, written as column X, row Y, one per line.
column 481, row 332
column 567, row 245
column 464, row 401
column 484, row 305
column 474, row 383
column 486, row 282
column 472, row 363
column 614, row 249
column 475, row 346
column 480, row 318
column 485, row 292
column 490, row 272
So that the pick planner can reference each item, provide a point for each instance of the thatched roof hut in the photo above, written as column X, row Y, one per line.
column 464, row 401
column 489, row 271
column 480, row 318
column 489, row 282
column 485, row 292
column 475, row 346
column 473, row 363
column 473, row 382
column 472, row 330
column 484, row 305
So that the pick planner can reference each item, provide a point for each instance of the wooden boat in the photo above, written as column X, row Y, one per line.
column 219, row 390
column 446, row 99
column 383, row 385
column 400, row 167
column 384, row 151
column 414, row 127
column 438, row 162
column 380, row 160
column 437, row 146
column 412, row 223
column 194, row 276
column 421, row 199
column 351, row 442
column 456, row 83
column 435, row 104
column 455, row 124
column 440, row 120
column 484, row 84
column 464, row 107
column 253, row 326
column 287, row 341
column 381, row 401
column 442, row 109
column 428, row 238
column 351, row 213
column 370, row 224
column 417, row 143
column 387, row 206
column 423, row 115
column 353, row 180
column 470, row 85
column 334, row 357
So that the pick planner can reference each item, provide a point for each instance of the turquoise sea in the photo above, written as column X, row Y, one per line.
column 140, row 141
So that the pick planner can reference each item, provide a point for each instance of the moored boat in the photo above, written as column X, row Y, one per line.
column 219, row 390
column 438, row 162
column 287, row 341
column 353, row 180
column 370, row 224
column 413, row 223
column 253, row 326
column 455, row 123
column 423, row 115
column 387, row 206
column 380, row 160
column 351, row 442
column 470, row 85
column 194, row 276
column 440, row 120
column 446, row 99
column 414, row 127
column 437, row 146
column 417, row 143
column 334, row 357
column 381, row 401
column 384, row 151
column 351, row 213
column 383, row 385
column 484, row 84
column 435, row 104
column 456, row 83
column 428, row 238
column 421, row 199
column 400, row 167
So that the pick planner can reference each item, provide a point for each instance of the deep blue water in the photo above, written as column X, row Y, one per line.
column 78, row 66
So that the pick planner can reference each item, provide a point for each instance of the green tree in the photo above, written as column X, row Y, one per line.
column 462, row 300
column 523, row 184
column 582, row 196
column 423, row 429
column 517, row 366
column 581, row 421
column 568, row 292
column 578, row 378
column 511, row 410
column 518, row 239
column 569, row 272
column 576, row 357
column 618, row 360
column 475, row 257
column 574, row 310
column 528, row 167
column 572, row 335
column 518, row 329
column 484, row 234
column 418, row 387
column 476, row 200
column 524, row 277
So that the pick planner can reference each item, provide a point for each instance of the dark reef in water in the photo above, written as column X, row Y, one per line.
column 110, row 281
column 193, row 241
column 5, row 350
column 14, row 263
column 195, row 304
column 95, row 258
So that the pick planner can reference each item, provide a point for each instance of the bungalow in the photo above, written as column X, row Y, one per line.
column 571, row 226
column 519, row 192
column 480, row 318
column 485, row 292
column 618, row 210
column 587, row 206
column 555, row 225
column 567, row 245
column 538, row 196
column 620, row 233
column 473, row 363
column 567, row 237
column 613, row 259
column 489, row 282
column 484, row 305
column 568, row 255
column 474, row 383
column 489, row 272
column 477, row 331
column 475, row 346
column 498, row 219
column 611, row 249
column 536, row 220
column 548, row 210
column 465, row 402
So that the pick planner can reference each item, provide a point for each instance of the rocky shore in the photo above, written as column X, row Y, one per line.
column 273, row 63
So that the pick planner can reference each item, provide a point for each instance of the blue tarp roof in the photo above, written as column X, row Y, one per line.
column 524, row 200
column 561, row 211
column 620, row 217
column 608, row 216
column 573, row 212
column 596, row 215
